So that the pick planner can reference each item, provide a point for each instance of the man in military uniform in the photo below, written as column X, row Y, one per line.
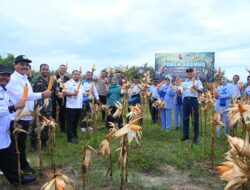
column 40, row 84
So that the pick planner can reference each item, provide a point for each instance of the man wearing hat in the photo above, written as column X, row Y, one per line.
column 191, row 88
column 15, row 91
column 8, row 161
column 153, row 110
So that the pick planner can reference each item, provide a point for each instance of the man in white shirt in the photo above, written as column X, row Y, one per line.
column 91, row 91
column 74, row 92
column 8, row 161
column 15, row 92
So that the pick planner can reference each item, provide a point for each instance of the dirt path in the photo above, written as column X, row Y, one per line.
column 169, row 179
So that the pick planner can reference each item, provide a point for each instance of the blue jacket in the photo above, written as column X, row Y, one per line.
column 167, row 95
column 114, row 94
column 224, row 100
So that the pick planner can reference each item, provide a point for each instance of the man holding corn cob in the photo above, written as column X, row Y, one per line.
column 191, row 88
column 40, row 84
column 90, row 95
column 59, row 100
column 74, row 91
column 15, row 88
column 8, row 161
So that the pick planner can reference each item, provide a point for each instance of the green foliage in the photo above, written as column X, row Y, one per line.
column 9, row 60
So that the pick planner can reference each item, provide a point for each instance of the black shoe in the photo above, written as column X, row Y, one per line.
column 184, row 138
column 28, row 179
column 29, row 170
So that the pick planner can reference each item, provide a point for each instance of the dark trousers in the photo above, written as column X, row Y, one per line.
column 190, row 106
column 21, row 141
column 33, row 136
column 8, row 164
column 54, row 103
column 86, row 111
column 110, row 118
column 153, row 110
column 103, row 100
column 62, row 113
column 73, row 117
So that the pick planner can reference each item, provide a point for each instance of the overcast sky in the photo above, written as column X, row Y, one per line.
column 130, row 32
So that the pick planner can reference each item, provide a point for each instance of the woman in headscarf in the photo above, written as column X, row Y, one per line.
column 114, row 95
column 166, row 93
column 223, row 95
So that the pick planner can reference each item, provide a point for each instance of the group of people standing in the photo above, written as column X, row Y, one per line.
column 70, row 99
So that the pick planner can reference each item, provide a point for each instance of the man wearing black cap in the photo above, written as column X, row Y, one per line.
column 8, row 161
column 15, row 91
column 191, row 88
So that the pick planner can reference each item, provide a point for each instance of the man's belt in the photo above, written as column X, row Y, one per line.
column 190, row 98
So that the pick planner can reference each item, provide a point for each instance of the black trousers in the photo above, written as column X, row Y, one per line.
column 33, row 136
column 8, row 163
column 190, row 106
column 62, row 113
column 85, row 111
column 110, row 118
column 21, row 141
column 54, row 103
column 73, row 117
column 153, row 111
column 103, row 100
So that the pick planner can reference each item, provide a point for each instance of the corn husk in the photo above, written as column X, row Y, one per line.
column 23, row 113
column 236, row 112
column 87, row 156
column 105, row 147
column 59, row 181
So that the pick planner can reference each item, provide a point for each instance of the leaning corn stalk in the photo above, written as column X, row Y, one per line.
column 18, row 129
column 39, row 145
column 127, row 134
column 52, row 129
column 105, row 148
column 85, row 163
column 59, row 181
column 94, row 108
column 215, row 124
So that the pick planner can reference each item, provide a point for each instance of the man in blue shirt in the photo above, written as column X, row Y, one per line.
column 153, row 110
column 191, row 88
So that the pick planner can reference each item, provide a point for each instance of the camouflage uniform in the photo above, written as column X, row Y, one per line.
column 39, row 84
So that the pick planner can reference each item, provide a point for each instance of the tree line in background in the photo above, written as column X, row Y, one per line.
column 132, row 71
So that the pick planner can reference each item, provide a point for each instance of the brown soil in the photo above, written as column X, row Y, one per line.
column 170, row 178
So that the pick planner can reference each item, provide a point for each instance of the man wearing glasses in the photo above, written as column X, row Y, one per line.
column 191, row 88
column 15, row 91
